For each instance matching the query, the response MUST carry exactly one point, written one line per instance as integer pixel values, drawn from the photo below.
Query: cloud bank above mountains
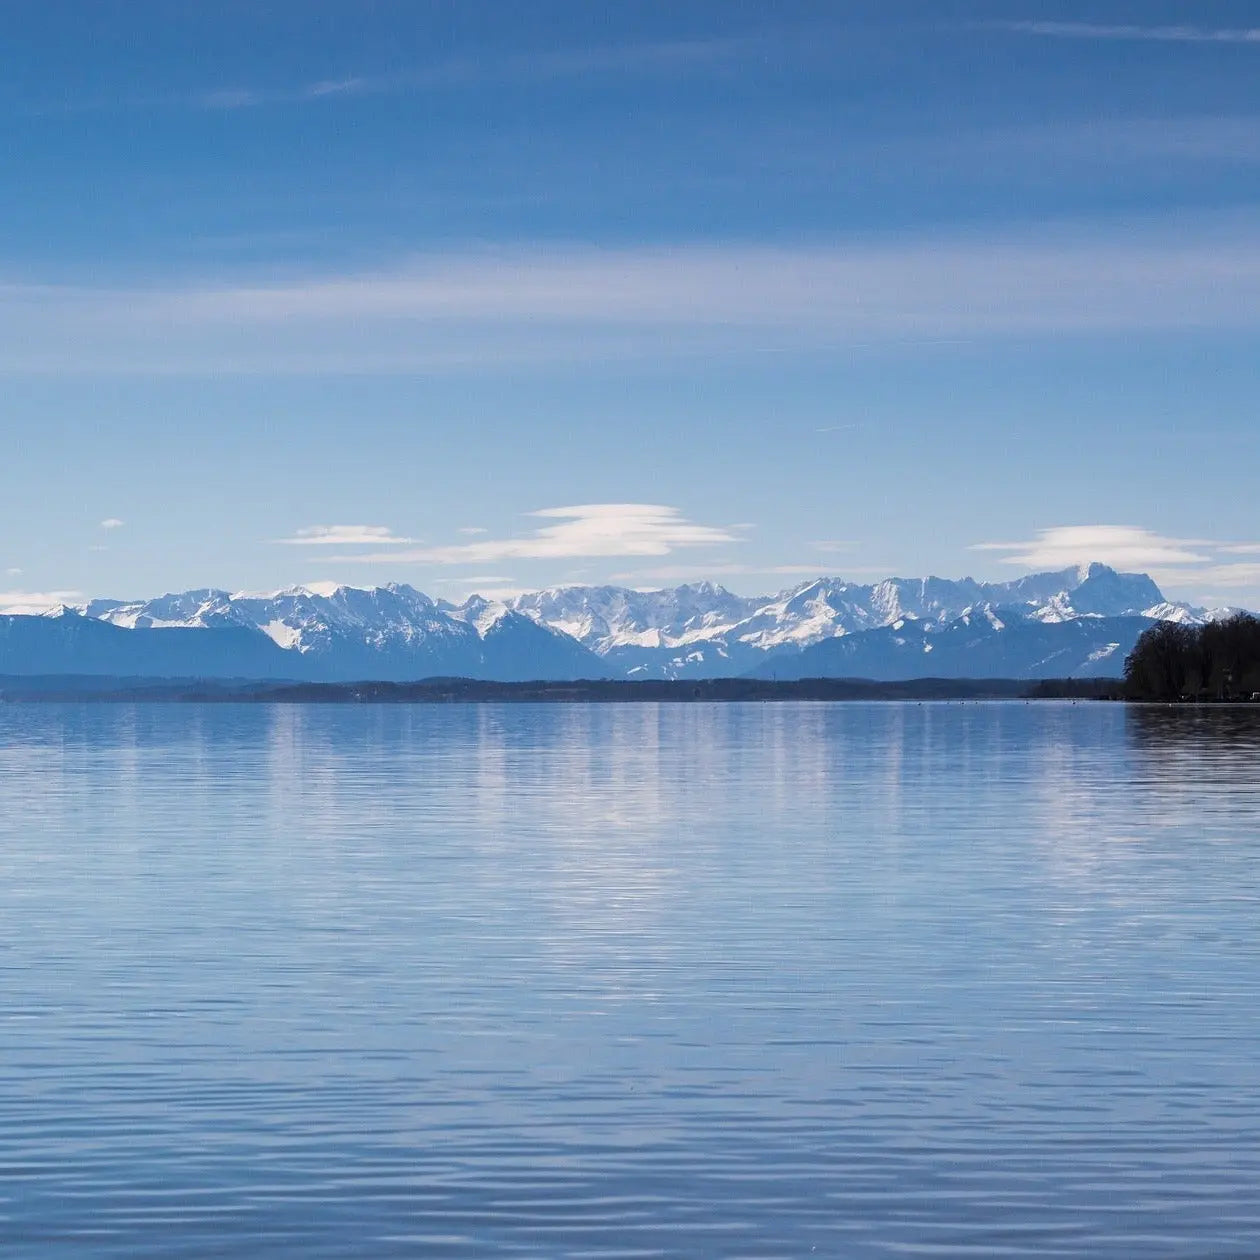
(1122, 546)
(1199, 570)
(610, 530)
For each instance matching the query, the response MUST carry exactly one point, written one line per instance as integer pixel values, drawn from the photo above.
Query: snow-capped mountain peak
(394, 631)
(480, 612)
(701, 629)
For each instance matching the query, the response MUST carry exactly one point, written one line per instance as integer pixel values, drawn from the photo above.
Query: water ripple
(842, 980)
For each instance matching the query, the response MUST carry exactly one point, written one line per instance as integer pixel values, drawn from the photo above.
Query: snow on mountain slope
(608, 617)
(974, 646)
(391, 632)
(698, 630)
(705, 631)
(299, 618)
(519, 649)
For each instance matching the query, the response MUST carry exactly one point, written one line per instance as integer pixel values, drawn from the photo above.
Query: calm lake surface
(744, 980)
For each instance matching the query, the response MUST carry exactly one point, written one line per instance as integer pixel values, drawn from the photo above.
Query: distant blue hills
(1078, 622)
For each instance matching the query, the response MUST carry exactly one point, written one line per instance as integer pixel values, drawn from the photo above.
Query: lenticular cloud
(591, 529)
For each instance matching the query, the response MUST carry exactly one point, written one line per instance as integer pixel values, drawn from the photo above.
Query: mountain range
(1077, 622)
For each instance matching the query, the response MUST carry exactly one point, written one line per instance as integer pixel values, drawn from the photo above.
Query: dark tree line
(1217, 661)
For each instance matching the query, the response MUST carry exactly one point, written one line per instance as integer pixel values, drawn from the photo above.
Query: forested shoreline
(1216, 661)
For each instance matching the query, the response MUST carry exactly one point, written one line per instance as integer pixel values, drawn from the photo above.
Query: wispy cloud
(467, 310)
(1166, 34)
(524, 67)
(587, 530)
(345, 536)
(234, 98)
(111, 522)
(32, 603)
(1122, 546)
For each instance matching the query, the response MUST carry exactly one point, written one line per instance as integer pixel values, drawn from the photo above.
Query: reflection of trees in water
(1194, 767)
(1175, 726)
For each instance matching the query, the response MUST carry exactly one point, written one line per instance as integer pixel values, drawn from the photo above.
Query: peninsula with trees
(1216, 661)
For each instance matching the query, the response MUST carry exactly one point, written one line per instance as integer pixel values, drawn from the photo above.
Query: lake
(624, 981)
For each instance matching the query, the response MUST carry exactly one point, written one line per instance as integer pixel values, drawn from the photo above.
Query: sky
(489, 297)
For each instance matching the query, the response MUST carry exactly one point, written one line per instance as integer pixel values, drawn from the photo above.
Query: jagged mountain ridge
(390, 633)
(705, 631)
(396, 633)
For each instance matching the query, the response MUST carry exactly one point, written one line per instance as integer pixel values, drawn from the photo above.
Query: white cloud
(592, 529)
(111, 522)
(460, 311)
(32, 603)
(473, 529)
(1183, 567)
(1122, 546)
(14, 572)
(1168, 34)
(345, 536)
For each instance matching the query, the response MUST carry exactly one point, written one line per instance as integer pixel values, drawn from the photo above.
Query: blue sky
(483, 296)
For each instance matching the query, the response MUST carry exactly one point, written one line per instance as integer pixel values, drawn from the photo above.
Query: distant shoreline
(611, 691)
